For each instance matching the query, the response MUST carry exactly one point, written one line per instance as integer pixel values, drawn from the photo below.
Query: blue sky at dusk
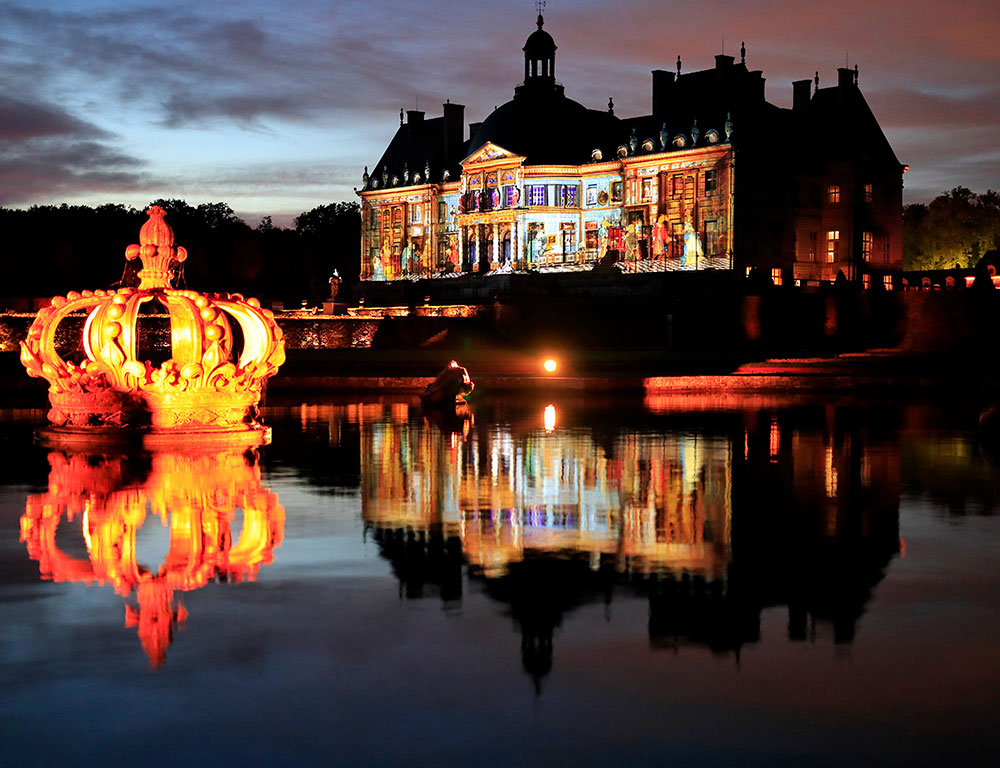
(275, 108)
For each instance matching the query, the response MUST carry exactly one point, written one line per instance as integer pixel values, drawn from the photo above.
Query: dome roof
(547, 128)
(540, 43)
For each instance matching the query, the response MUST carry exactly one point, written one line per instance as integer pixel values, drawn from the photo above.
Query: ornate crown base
(183, 411)
(155, 419)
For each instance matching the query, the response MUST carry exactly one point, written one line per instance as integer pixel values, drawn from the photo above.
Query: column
(496, 244)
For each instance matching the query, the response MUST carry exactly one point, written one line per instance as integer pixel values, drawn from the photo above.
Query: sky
(275, 107)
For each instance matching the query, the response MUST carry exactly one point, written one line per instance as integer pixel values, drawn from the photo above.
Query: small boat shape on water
(450, 389)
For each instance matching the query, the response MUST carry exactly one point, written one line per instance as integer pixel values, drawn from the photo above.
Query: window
(647, 190)
(776, 275)
(416, 214)
(867, 243)
(866, 281)
(536, 195)
(887, 282)
(813, 239)
(710, 182)
(566, 195)
(616, 191)
(676, 186)
(833, 193)
(868, 193)
(711, 238)
(832, 245)
(592, 194)
(511, 196)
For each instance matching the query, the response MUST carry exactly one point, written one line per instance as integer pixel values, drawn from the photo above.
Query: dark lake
(716, 580)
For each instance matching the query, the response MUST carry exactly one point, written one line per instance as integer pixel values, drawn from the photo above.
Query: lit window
(566, 195)
(832, 245)
(867, 280)
(536, 195)
(647, 190)
(711, 238)
(442, 210)
(616, 191)
(511, 196)
(592, 194)
(709, 181)
(867, 243)
(813, 239)
(833, 194)
(776, 275)
(887, 282)
(868, 193)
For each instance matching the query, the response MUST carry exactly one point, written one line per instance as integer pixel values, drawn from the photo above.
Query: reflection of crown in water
(212, 380)
(196, 494)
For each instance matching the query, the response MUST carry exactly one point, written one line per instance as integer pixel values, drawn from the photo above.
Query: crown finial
(156, 249)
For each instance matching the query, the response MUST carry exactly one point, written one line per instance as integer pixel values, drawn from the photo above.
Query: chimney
(454, 131)
(800, 94)
(474, 129)
(663, 85)
(414, 119)
(724, 62)
(845, 77)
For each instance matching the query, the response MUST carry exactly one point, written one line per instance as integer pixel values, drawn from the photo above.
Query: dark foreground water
(714, 580)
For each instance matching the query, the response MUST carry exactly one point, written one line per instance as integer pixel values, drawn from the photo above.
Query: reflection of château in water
(785, 507)
(651, 503)
(195, 494)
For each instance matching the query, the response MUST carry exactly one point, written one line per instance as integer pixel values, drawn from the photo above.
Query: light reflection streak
(196, 494)
(653, 502)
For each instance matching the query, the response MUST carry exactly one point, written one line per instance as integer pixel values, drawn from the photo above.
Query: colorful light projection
(209, 384)
(655, 502)
(197, 495)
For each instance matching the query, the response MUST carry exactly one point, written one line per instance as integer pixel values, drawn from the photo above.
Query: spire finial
(611, 105)
(743, 53)
(400, 115)
(678, 64)
(816, 81)
(539, 5)
(856, 74)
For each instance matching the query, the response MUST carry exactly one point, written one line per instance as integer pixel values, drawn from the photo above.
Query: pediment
(489, 153)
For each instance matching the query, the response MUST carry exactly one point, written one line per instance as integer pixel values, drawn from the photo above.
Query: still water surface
(712, 580)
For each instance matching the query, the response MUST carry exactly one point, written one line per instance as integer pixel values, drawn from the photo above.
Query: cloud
(143, 79)
(45, 151)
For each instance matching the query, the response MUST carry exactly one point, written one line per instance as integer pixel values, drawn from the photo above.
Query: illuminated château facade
(715, 177)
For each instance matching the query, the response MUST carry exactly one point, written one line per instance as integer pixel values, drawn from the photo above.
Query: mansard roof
(418, 145)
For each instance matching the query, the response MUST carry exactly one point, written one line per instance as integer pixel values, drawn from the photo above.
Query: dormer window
(833, 193)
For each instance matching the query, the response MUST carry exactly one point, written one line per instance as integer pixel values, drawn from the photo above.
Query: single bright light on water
(549, 418)
(549, 365)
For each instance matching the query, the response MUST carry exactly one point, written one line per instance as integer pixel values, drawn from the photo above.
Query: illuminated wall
(667, 209)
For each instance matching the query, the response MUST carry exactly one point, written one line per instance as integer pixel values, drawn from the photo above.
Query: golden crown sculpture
(200, 389)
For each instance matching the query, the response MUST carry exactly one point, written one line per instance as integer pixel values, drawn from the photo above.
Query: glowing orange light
(550, 365)
(549, 417)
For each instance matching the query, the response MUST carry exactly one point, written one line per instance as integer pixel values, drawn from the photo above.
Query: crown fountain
(223, 349)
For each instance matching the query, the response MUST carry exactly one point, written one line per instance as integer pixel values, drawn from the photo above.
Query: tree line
(48, 250)
(956, 229)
